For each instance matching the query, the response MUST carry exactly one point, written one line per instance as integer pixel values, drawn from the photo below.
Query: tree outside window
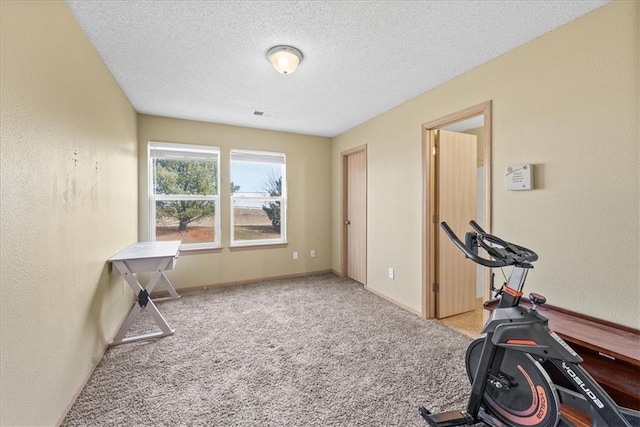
(184, 194)
(258, 210)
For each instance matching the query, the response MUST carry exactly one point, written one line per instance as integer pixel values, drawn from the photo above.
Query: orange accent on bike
(522, 342)
(511, 291)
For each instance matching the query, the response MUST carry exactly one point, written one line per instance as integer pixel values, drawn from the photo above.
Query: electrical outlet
(295, 254)
(312, 254)
(392, 273)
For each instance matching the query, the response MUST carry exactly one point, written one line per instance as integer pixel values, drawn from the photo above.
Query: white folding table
(156, 257)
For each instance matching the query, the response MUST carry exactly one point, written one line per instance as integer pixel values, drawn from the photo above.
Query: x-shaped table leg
(144, 302)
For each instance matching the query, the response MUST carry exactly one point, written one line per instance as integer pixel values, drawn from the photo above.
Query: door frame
(429, 226)
(345, 170)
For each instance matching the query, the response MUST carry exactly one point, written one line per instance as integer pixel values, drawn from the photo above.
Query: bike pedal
(446, 419)
(424, 412)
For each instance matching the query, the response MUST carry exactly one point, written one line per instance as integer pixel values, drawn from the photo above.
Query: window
(183, 194)
(258, 198)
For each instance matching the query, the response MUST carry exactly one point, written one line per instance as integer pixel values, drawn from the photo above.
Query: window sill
(257, 246)
(217, 250)
(200, 251)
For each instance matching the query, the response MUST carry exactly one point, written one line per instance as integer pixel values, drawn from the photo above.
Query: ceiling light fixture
(285, 59)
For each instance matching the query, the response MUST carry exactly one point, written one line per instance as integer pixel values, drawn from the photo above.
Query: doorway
(451, 283)
(354, 234)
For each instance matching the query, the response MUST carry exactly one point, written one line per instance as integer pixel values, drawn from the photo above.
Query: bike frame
(507, 326)
(515, 328)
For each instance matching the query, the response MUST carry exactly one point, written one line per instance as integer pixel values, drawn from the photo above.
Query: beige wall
(308, 205)
(69, 201)
(567, 102)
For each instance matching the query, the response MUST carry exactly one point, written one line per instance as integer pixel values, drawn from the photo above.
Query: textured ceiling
(206, 60)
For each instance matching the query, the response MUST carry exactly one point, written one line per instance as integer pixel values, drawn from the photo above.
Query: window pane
(256, 179)
(193, 177)
(256, 220)
(187, 221)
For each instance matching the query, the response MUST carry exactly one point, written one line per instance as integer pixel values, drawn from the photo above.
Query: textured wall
(308, 205)
(567, 102)
(69, 201)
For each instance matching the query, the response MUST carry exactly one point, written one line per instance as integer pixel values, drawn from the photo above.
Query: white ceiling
(206, 60)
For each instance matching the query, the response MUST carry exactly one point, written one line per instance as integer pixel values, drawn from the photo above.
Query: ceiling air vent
(263, 113)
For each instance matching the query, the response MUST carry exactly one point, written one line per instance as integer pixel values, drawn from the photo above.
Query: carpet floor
(311, 351)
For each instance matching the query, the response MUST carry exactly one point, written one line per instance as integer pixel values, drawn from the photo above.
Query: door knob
(347, 222)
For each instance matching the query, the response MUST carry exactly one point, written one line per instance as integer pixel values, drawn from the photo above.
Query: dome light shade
(285, 59)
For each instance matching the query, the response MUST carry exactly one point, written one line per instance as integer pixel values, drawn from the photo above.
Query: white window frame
(260, 157)
(170, 150)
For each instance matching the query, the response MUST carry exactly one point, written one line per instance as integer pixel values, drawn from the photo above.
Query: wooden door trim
(345, 154)
(429, 228)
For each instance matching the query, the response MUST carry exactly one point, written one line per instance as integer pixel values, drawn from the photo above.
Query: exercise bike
(509, 385)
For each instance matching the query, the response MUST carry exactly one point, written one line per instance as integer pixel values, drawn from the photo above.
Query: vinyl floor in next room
(469, 323)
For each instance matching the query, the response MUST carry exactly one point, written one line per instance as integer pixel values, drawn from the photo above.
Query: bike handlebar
(504, 254)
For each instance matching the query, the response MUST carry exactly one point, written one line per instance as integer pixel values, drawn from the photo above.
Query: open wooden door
(355, 214)
(474, 117)
(456, 195)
